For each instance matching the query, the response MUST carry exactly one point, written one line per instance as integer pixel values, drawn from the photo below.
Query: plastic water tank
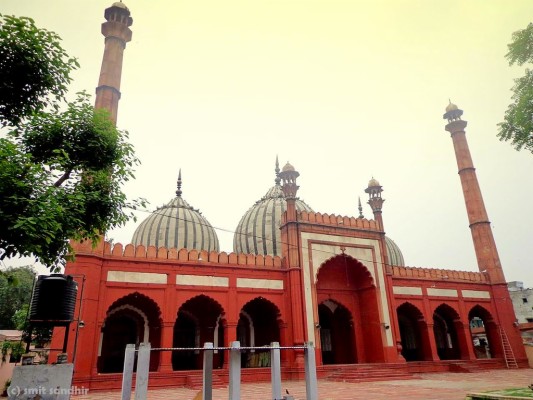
(54, 300)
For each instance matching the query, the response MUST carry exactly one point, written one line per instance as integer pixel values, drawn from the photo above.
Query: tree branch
(65, 176)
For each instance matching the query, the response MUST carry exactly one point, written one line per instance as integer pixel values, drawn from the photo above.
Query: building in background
(295, 276)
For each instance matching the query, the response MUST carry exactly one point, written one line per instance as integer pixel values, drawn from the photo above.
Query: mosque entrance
(337, 337)
(348, 313)
(198, 321)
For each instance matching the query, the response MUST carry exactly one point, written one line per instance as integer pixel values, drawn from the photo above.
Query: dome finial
(178, 192)
(278, 179)
(360, 208)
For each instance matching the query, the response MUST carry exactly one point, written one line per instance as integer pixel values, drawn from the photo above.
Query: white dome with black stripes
(177, 225)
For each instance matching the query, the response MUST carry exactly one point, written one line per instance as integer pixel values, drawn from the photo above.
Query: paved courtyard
(443, 386)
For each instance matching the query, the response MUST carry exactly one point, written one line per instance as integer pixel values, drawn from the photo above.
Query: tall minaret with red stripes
(117, 33)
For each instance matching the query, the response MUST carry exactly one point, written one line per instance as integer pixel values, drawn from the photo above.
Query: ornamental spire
(360, 208)
(278, 179)
(178, 192)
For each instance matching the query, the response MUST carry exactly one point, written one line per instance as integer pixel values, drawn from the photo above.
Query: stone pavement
(442, 386)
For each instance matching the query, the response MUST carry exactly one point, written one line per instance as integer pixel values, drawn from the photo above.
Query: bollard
(207, 386)
(275, 370)
(235, 371)
(311, 385)
(143, 367)
(127, 374)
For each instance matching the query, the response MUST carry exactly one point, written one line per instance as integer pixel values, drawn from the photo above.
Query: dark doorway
(444, 320)
(336, 334)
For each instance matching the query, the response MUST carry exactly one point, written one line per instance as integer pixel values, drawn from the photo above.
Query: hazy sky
(344, 90)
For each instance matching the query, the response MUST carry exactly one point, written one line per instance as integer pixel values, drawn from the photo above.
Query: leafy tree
(34, 68)
(15, 293)
(60, 178)
(61, 172)
(517, 126)
(39, 335)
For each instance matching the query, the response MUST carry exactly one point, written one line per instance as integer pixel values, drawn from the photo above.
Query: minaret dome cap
(288, 167)
(373, 182)
(120, 4)
(451, 107)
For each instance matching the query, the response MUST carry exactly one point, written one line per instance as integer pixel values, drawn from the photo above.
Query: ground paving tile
(442, 386)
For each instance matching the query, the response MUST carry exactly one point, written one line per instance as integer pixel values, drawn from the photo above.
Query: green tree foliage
(61, 175)
(15, 293)
(61, 172)
(39, 335)
(517, 126)
(34, 68)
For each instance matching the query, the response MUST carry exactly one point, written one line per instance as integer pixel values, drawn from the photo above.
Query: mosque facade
(295, 276)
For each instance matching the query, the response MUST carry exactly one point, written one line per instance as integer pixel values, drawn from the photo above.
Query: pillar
(167, 340)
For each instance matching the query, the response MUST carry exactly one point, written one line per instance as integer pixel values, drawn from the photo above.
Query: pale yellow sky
(344, 90)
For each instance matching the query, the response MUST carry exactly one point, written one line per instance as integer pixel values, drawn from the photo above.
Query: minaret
(290, 233)
(487, 255)
(375, 201)
(117, 33)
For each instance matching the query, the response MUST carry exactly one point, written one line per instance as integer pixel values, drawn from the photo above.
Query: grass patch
(518, 392)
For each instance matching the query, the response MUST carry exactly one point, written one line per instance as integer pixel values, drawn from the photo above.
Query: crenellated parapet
(130, 251)
(335, 220)
(440, 274)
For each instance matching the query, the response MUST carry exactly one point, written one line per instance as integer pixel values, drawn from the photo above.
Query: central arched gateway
(348, 313)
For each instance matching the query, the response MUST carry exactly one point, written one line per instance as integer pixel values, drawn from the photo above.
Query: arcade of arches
(449, 333)
(136, 319)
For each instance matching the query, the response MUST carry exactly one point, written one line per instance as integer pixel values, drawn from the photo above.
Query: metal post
(275, 370)
(127, 375)
(207, 387)
(65, 340)
(311, 386)
(235, 371)
(143, 366)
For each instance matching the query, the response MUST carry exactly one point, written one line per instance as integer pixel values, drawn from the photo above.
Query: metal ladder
(508, 354)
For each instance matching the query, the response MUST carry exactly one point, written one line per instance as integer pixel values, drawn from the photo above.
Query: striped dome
(394, 253)
(177, 225)
(258, 231)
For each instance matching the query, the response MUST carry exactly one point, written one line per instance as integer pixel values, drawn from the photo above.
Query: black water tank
(54, 300)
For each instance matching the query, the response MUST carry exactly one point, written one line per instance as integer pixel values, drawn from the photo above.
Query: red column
(167, 340)
(433, 354)
(230, 335)
(464, 338)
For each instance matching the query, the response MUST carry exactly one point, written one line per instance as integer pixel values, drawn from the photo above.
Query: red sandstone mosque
(295, 276)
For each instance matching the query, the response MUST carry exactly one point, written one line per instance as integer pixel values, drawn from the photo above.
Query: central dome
(177, 225)
(258, 231)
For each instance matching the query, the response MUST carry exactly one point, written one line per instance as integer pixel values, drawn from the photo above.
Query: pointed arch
(347, 269)
(197, 322)
(445, 322)
(414, 334)
(131, 319)
(258, 325)
(337, 334)
(484, 333)
(347, 281)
